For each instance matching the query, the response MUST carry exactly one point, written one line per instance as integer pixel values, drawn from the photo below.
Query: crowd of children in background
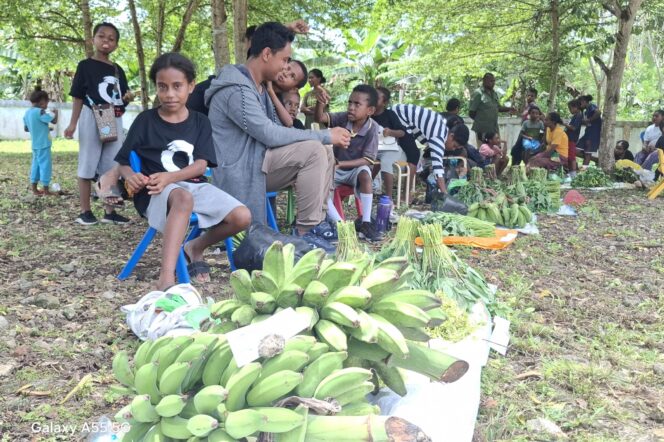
(175, 144)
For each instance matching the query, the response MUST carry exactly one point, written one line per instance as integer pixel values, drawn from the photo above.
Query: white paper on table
(244, 342)
(500, 337)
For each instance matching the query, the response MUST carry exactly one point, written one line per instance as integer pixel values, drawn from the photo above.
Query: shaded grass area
(585, 298)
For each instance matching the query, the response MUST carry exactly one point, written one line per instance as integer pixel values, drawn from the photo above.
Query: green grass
(23, 146)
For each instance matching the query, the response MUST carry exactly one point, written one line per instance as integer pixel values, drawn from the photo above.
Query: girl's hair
(623, 143)
(386, 93)
(302, 82)
(555, 117)
(532, 108)
(173, 60)
(586, 98)
(38, 95)
(108, 25)
(318, 74)
(659, 112)
(574, 103)
(488, 137)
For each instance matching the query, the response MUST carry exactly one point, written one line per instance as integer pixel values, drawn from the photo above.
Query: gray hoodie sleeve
(244, 110)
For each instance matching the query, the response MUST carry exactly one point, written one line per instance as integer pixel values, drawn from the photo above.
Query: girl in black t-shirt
(98, 81)
(175, 148)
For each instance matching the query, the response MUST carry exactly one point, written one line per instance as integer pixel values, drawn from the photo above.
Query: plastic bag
(249, 255)
(441, 202)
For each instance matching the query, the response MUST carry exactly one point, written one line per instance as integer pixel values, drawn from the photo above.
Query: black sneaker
(114, 218)
(368, 232)
(316, 242)
(326, 231)
(87, 218)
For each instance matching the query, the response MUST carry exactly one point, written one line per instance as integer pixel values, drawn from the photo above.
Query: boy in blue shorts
(36, 121)
(354, 163)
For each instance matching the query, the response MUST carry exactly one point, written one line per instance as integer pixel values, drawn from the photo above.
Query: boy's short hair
(372, 95)
(302, 82)
(271, 35)
(574, 103)
(249, 33)
(532, 108)
(38, 95)
(623, 143)
(452, 104)
(461, 133)
(108, 25)
(386, 93)
(284, 95)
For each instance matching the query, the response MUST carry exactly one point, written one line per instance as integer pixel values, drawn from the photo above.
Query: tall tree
(186, 19)
(625, 14)
(222, 53)
(159, 29)
(555, 54)
(140, 54)
(240, 10)
(87, 27)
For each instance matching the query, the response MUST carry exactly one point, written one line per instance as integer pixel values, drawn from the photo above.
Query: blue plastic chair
(181, 266)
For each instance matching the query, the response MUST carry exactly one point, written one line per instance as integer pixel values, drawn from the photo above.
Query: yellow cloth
(624, 164)
(503, 238)
(558, 137)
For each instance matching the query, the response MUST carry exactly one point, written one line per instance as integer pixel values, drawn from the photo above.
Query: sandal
(112, 197)
(196, 268)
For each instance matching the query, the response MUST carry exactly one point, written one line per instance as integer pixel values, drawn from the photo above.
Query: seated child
(36, 121)
(556, 141)
(291, 79)
(493, 153)
(621, 151)
(531, 133)
(175, 147)
(354, 163)
(291, 101)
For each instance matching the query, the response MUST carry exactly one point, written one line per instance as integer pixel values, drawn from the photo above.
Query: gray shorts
(350, 177)
(211, 204)
(95, 157)
(387, 159)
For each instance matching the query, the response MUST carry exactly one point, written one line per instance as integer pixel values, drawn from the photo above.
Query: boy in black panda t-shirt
(175, 147)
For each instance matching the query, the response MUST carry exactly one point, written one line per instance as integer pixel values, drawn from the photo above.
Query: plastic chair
(181, 266)
(658, 187)
(341, 192)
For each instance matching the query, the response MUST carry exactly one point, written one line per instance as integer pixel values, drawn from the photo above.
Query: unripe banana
(121, 390)
(423, 299)
(310, 314)
(357, 394)
(170, 405)
(331, 334)
(390, 338)
(171, 380)
(300, 342)
(417, 334)
(124, 415)
(263, 302)
(216, 364)
(353, 295)
(289, 258)
(402, 314)
(278, 420)
(273, 387)
(391, 376)
(240, 281)
(359, 409)
(220, 435)
(145, 381)
(264, 282)
(290, 295)
(137, 431)
(380, 282)
(273, 262)
(243, 423)
(342, 381)
(318, 370)
(225, 308)
(201, 425)
(175, 427)
(288, 360)
(243, 315)
(368, 329)
(302, 276)
(315, 294)
(156, 345)
(363, 350)
(122, 370)
(396, 263)
(239, 384)
(141, 355)
(142, 410)
(228, 372)
(208, 398)
(154, 434)
(169, 353)
(312, 257)
(317, 350)
(341, 314)
(337, 275)
(191, 352)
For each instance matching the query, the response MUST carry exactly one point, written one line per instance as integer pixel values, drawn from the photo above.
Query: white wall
(11, 124)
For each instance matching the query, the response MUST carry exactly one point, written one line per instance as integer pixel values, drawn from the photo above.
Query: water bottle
(105, 430)
(383, 213)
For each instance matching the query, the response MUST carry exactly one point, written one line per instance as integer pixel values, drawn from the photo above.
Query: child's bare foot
(35, 190)
(196, 265)
(48, 192)
(163, 285)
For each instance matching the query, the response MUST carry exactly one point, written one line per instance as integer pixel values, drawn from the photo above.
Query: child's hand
(69, 131)
(298, 26)
(128, 97)
(136, 182)
(158, 182)
(340, 137)
(321, 94)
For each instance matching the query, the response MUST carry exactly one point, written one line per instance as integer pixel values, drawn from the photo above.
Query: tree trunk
(159, 31)
(240, 28)
(186, 19)
(87, 28)
(614, 76)
(139, 54)
(555, 55)
(222, 54)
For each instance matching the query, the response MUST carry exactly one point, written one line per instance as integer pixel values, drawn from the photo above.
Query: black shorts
(412, 153)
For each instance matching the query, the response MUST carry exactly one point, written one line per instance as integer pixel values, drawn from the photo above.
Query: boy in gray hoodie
(255, 152)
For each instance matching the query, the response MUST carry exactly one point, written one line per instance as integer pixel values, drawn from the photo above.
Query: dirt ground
(585, 297)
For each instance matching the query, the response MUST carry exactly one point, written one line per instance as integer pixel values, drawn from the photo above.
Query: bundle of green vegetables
(625, 175)
(349, 247)
(454, 224)
(592, 177)
(403, 243)
(475, 191)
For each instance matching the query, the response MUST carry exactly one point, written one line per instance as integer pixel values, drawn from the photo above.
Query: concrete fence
(11, 124)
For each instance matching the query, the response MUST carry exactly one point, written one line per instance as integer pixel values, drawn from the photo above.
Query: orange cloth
(503, 238)
(558, 137)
